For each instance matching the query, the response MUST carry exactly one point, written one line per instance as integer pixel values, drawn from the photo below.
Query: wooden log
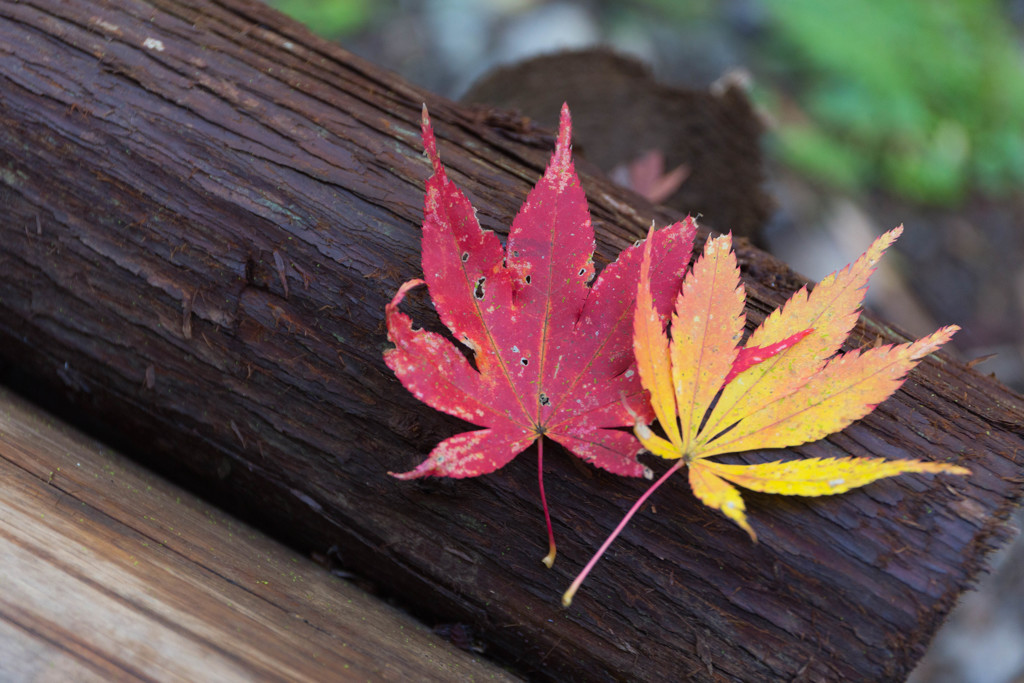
(111, 573)
(205, 209)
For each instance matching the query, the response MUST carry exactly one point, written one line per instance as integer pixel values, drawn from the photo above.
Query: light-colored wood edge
(108, 572)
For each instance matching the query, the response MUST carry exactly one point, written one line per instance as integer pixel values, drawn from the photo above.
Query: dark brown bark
(204, 211)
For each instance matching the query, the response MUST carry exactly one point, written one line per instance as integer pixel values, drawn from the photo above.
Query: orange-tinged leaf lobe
(707, 327)
(786, 386)
(551, 352)
(651, 346)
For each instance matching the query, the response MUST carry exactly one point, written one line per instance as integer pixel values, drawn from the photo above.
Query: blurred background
(876, 113)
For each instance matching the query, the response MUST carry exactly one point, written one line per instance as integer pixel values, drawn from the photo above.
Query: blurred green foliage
(329, 18)
(924, 98)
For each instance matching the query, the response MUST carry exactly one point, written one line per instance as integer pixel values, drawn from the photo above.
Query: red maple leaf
(553, 355)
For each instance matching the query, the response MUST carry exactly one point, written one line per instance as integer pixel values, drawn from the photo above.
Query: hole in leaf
(465, 256)
(544, 400)
(524, 361)
(516, 254)
(528, 279)
(583, 271)
(479, 291)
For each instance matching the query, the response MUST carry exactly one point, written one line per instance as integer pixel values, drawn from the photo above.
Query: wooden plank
(108, 572)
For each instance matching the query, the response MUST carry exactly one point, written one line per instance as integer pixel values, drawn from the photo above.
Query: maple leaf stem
(567, 597)
(549, 559)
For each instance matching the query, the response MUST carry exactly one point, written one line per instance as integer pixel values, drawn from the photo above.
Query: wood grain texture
(111, 573)
(203, 211)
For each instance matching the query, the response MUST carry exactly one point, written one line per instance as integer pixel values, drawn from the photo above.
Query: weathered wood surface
(110, 573)
(204, 210)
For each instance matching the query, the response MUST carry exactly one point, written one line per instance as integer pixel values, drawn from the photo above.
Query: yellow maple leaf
(786, 386)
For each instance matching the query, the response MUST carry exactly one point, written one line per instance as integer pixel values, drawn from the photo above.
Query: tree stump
(620, 112)
(204, 211)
